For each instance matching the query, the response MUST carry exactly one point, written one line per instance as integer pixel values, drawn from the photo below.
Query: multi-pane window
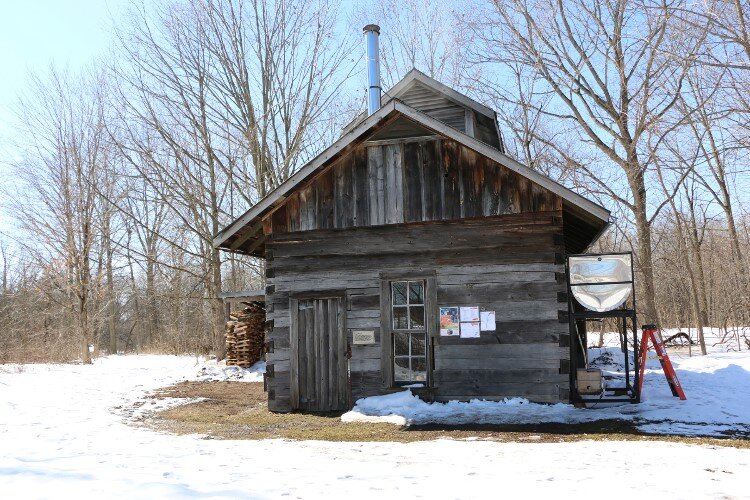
(409, 331)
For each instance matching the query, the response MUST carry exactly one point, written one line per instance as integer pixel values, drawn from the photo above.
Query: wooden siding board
(432, 182)
(451, 180)
(394, 199)
(344, 197)
(325, 201)
(360, 181)
(412, 185)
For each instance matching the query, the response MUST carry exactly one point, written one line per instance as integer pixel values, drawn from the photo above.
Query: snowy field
(63, 434)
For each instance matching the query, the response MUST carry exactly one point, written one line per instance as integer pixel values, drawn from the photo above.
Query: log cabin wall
(489, 237)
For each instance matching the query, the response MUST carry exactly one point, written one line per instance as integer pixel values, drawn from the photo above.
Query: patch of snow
(60, 438)
(212, 371)
(717, 388)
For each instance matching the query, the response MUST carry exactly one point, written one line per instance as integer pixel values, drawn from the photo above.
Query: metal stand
(577, 318)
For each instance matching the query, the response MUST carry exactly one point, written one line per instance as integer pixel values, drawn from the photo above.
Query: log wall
(504, 263)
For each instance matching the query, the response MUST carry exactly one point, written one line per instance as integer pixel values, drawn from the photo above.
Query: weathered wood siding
(505, 263)
(412, 181)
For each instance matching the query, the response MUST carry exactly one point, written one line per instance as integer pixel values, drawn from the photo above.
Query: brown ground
(238, 410)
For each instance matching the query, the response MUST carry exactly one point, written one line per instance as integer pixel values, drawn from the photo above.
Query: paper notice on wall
(469, 314)
(487, 321)
(470, 330)
(449, 322)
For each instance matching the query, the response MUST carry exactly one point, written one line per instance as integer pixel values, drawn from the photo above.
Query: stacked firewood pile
(244, 336)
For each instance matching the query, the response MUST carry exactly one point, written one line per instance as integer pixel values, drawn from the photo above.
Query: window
(409, 331)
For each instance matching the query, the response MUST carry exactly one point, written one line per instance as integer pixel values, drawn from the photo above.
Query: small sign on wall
(487, 321)
(363, 337)
(449, 322)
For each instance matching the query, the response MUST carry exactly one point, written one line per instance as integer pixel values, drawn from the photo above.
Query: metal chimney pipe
(372, 32)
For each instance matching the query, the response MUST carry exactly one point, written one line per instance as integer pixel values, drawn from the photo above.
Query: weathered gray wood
(488, 362)
(360, 180)
(503, 351)
(364, 365)
(394, 199)
(331, 354)
(532, 391)
(309, 360)
(318, 368)
(493, 377)
(376, 184)
(294, 361)
(344, 390)
(386, 342)
(516, 279)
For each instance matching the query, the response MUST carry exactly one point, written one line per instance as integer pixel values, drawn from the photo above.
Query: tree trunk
(151, 306)
(83, 324)
(645, 260)
(111, 293)
(217, 307)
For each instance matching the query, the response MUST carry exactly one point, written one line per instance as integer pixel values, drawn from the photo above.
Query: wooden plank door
(319, 366)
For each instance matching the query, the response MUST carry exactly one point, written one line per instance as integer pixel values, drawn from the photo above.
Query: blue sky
(35, 33)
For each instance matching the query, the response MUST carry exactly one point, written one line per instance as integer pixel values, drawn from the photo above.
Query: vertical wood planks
(376, 185)
(360, 188)
(432, 182)
(294, 341)
(394, 199)
(309, 381)
(411, 181)
(343, 363)
(325, 202)
(318, 365)
(451, 181)
(343, 196)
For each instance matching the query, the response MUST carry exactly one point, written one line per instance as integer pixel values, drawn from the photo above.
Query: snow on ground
(59, 437)
(717, 387)
(217, 372)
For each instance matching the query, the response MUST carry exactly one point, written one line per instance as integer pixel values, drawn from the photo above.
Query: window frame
(387, 326)
(410, 331)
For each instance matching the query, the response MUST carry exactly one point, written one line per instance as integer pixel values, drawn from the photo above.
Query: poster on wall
(470, 314)
(487, 321)
(470, 330)
(449, 322)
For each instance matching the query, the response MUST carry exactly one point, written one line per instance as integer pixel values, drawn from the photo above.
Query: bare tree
(62, 168)
(609, 67)
(220, 104)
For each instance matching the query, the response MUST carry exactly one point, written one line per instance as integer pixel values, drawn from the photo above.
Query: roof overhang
(247, 226)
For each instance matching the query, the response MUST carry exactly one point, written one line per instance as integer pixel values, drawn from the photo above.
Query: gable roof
(406, 90)
(249, 224)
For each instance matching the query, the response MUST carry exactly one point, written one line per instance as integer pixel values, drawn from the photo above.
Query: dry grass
(238, 410)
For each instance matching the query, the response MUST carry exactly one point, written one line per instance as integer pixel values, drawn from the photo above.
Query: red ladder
(650, 332)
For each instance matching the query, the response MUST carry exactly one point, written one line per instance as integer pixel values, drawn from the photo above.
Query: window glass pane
(418, 344)
(418, 369)
(416, 315)
(399, 292)
(401, 344)
(416, 292)
(399, 318)
(401, 370)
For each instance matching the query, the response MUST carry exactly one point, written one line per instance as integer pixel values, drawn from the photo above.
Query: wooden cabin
(414, 252)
